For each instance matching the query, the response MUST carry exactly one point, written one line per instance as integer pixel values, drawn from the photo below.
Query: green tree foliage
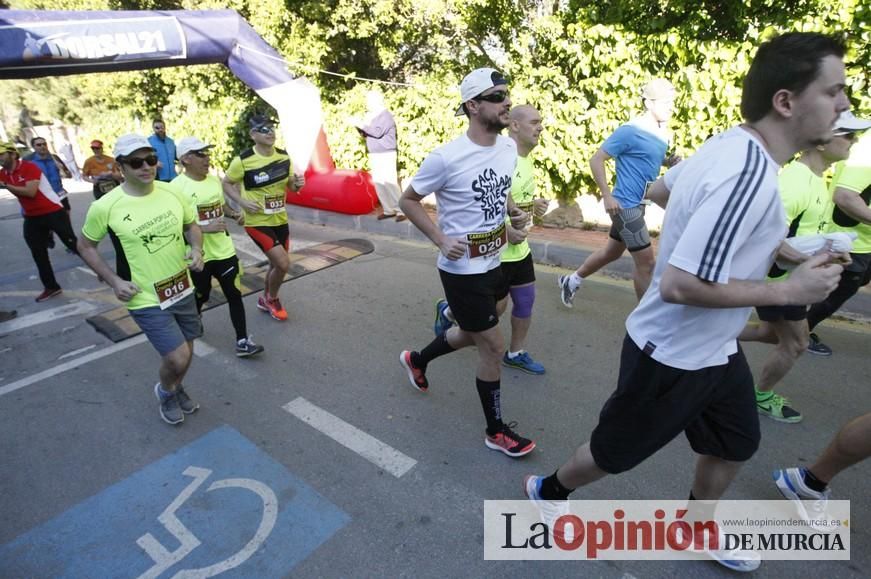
(581, 62)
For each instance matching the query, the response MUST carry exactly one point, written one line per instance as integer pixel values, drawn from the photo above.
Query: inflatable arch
(36, 43)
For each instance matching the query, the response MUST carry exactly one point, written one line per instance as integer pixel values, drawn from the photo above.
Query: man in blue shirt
(638, 149)
(164, 148)
(50, 166)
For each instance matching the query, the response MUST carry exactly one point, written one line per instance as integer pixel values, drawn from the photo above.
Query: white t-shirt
(724, 221)
(471, 184)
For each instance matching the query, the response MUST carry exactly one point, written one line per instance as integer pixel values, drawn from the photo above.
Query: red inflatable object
(331, 189)
(342, 190)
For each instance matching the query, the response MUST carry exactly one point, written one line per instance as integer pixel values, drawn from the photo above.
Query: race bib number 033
(273, 204)
(209, 213)
(173, 289)
(487, 244)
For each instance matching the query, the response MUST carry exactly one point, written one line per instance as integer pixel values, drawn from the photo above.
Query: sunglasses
(200, 154)
(40, 144)
(264, 130)
(494, 97)
(849, 135)
(137, 162)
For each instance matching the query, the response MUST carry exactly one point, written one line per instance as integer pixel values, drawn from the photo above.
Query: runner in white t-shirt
(681, 369)
(471, 178)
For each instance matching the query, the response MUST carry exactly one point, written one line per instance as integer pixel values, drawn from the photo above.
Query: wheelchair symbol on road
(164, 559)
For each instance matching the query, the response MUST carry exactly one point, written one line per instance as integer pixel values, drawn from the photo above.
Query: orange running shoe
(276, 310)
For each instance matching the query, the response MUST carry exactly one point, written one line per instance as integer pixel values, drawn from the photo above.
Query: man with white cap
(851, 193)
(471, 179)
(151, 221)
(808, 204)
(205, 194)
(639, 151)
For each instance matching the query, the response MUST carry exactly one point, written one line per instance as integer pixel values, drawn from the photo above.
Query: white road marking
(77, 352)
(73, 309)
(87, 270)
(202, 349)
(349, 436)
(18, 384)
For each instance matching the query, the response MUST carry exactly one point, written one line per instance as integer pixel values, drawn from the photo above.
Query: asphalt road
(88, 466)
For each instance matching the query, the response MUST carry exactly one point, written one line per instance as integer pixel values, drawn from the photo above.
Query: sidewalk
(566, 248)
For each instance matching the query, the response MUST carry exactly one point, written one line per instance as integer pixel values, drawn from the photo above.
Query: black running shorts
(714, 407)
(520, 272)
(629, 227)
(270, 236)
(473, 298)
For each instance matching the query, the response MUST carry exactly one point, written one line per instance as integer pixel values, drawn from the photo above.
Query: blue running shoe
(442, 324)
(524, 363)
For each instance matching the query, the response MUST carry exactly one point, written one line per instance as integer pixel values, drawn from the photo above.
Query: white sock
(513, 355)
(575, 281)
(449, 315)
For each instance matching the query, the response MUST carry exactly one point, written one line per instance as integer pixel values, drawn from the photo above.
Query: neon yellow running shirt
(151, 232)
(207, 201)
(263, 180)
(523, 193)
(854, 174)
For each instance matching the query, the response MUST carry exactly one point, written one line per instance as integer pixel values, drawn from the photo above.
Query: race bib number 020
(209, 213)
(173, 289)
(273, 204)
(487, 244)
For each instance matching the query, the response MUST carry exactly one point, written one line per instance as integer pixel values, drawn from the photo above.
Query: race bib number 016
(487, 244)
(173, 289)
(209, 213)
(273, 204)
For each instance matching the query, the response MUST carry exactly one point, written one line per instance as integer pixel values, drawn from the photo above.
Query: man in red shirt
(43, 213)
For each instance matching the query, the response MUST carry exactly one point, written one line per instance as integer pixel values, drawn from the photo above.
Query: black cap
(258, 120)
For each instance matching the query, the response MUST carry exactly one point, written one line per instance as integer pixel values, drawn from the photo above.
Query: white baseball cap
(850, 122)
(477, 82)
(188, 144)
(126, 144)
(658, 89)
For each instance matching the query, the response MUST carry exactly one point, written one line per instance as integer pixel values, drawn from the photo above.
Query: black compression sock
(489, 393)
(438, 347)
(813, 482)
(553, 490)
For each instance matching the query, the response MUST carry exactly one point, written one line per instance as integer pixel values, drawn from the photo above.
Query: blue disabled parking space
(219, 504)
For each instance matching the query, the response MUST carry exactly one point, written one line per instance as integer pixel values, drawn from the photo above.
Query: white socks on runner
(575, 281)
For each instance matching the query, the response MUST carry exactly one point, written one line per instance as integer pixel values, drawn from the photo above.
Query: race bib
(273, 204)
(106, 186)
(173, 289)
(209, 213)
(487, 244)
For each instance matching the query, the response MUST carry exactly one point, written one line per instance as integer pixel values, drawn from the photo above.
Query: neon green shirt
(151, 231)
(264, 180)
(806, 199)
(523, 193)
(207, 201)
(807, 202)
(854, 174)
